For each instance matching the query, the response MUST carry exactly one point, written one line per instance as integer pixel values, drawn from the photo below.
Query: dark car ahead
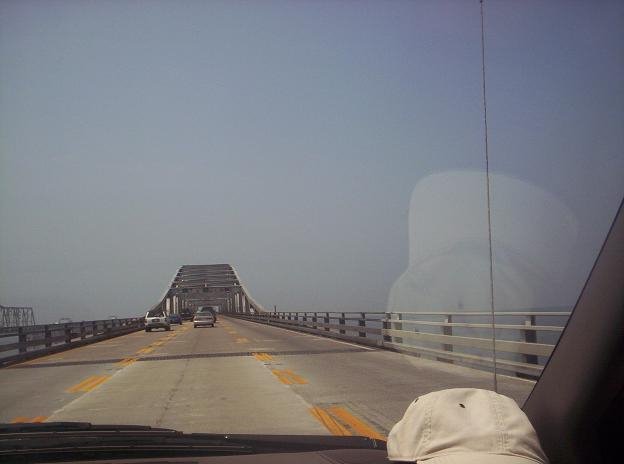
(175, 319)
(186, 315)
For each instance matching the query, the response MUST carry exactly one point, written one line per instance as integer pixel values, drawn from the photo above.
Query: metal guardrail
(464, 338)
(37, 340)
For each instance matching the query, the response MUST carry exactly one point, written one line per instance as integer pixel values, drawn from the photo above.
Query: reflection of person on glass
(533, 235)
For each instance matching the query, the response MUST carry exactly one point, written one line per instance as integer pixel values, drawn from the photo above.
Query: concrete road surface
(238, 377)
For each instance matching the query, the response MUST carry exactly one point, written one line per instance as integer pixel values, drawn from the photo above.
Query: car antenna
(487, 189)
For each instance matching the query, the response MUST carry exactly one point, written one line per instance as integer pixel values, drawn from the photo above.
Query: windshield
(371, 200)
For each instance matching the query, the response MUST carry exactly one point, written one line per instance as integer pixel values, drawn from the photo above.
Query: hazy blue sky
(284, 138)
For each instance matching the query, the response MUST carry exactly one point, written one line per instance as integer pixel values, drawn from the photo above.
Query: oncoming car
(204, 316)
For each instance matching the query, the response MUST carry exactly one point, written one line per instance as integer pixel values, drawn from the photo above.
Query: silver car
(204, 317)
(156, 321)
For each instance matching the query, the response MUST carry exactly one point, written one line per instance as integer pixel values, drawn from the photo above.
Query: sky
(287, 139)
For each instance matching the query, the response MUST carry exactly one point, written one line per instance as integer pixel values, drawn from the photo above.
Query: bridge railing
(22, 343)
(524, 339)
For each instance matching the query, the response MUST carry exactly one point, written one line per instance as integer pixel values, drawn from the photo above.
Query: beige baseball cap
(464, 425)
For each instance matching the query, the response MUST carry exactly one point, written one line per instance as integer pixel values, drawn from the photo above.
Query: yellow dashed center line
(263, 357)
(126, 362)
(88, 384)
(160, 342)
(331, 424)
(288, 377)
(361, 427)
(22, 419)
(339, 421)
(145, 350)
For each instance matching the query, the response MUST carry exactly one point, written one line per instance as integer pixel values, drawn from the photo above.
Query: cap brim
(478, 458)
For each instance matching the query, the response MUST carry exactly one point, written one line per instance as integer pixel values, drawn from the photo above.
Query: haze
(286, 138)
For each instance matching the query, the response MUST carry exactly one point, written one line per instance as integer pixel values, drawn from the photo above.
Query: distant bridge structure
(16, 316)
(207, 285)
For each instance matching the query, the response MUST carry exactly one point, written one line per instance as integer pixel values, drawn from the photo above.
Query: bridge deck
(210, 380)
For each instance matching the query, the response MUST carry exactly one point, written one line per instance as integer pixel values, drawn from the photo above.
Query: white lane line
(318, 337)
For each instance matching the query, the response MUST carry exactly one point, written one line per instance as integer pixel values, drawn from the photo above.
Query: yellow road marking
(126, 362)
(288, 377)
(361, 427)
(20, 420)
(242, 340)
(88, 384)
(331, 424)
(80, 385)
(281, 377)
(263, 356)
(145, 350)
(100, 381)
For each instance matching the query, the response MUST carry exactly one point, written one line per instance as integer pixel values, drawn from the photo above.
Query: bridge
(211, 284)
(257, 371)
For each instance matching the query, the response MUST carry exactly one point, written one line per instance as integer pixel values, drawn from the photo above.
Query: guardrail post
(68, 335)
(341, 321)
(326, 320)
(314, 326)
(47, 335)
(447, 330)
(22, 337)
(362, 323)
(398, 326)
(530, 336)
(386, 325)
